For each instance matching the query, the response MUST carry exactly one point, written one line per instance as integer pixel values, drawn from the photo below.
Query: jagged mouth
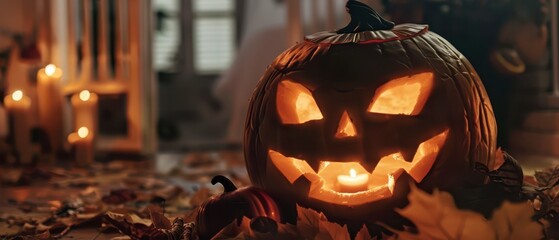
(349, 184)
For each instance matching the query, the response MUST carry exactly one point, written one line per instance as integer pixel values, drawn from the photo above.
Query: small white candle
(50, 103)
(83, 143)
(353, 182)
(85, 110)
(19, 108)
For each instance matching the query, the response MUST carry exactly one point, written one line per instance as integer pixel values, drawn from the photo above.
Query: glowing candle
(19, 108)
(353, 182)
(50, 104)
(83, 145)
(85, 107)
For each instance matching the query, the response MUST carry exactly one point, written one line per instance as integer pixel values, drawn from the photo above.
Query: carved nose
(345, 127)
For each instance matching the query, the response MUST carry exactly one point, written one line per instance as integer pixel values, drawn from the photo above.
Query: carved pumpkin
(233, 205)
(338, 120)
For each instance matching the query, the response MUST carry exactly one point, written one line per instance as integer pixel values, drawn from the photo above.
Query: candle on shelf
(353, 182)
(83, 143)
(85, 107)
(50, 104)
(18, 106)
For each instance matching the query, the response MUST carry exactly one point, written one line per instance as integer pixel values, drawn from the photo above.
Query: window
(167, 34)
(214, 35)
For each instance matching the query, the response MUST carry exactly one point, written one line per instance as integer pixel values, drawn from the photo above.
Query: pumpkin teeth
(316, 166)
(382, 177)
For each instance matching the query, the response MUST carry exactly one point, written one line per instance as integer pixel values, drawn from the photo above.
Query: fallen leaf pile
(142, 205)
(51, 202)
(543, 190)
(435, 217)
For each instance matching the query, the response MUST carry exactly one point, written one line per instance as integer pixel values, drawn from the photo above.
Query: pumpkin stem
(228, 186)
(364, 18)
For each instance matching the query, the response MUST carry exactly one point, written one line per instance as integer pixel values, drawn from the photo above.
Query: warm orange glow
(85, 95)
(346, 127)
(295, 103)
(353, 183)
(17, 95)
(50, 70)
(406, 95)
(325, 183)
(83, 132)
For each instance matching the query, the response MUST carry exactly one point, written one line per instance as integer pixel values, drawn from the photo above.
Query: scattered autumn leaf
(307, 222)
(158, 218)
(363, 234)
(119, 196)
(548, 177)
(436, 217)
(332, 231)
(514, 221)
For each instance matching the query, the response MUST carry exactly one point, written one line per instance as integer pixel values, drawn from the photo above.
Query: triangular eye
(295, 103)
(406, 95)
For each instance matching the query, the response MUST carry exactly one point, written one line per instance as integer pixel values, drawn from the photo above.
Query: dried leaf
(158, 218)
(119, 196)
(230, 231)
(307, 222)
(135, 219)
(499, 159)
(287, 231)
(436, 217)
(548, 178)
(41, 236)
(8, 229)
(363, 234)
(331, 231)
(137, 228)
(514, 221)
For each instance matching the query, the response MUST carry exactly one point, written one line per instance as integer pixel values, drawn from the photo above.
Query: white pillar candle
(82, 142)
(18, 106)
(85, 105)
(50, 104)
(353, 182)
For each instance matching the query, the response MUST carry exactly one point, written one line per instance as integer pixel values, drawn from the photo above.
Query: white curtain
(264, 38)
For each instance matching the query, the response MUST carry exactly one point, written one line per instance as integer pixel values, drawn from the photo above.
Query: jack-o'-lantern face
(343, 121)
(405, 96)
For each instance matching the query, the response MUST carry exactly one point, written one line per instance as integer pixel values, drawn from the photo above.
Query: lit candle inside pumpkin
(353, 182)
(50, 103)
(82, 140)
(19, 107)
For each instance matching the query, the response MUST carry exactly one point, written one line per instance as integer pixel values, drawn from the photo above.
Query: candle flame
(17, 95)
(352, 173)
(85, 95)
(83, 132)
(50, 69)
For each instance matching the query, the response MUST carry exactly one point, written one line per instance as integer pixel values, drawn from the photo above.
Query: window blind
(214, 35)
